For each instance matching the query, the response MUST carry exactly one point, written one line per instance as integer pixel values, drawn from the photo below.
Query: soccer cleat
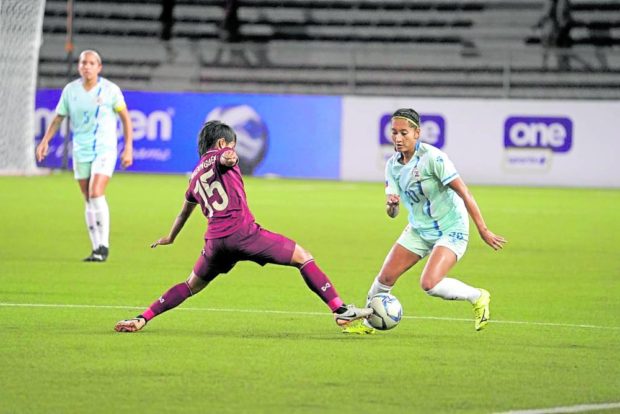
(358, 328)
(481, 310)
(104, 252)
(99, 255)
(349, 313)
(130, 325)
(95, 256)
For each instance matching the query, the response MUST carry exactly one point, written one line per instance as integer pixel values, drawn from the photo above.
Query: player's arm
(229, 158)
(391, 194)
(391, 205)
(179, 222)
(493, 240)
(127, 154)
(41, 151)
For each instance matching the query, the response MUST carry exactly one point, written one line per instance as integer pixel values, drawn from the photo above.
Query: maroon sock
(320, 284)
(171, 299)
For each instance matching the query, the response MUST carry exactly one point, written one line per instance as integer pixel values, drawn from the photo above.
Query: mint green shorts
(103, 164)
(454, 238)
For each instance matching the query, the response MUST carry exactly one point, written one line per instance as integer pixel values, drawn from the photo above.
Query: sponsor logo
(252, 133)
(553, 133)
(531, 142)
(152, 127)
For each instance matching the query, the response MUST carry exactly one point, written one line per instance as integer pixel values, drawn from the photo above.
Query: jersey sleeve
(443, 168)
(189, 194)
(391, 186)
(118, 100)
(62, 108)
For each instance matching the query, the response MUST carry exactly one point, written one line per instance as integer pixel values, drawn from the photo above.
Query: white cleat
(130, 325)
(351, 314)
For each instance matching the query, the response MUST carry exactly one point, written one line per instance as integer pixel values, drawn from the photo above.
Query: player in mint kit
(425, 180)
(232, 235)
(92, 104)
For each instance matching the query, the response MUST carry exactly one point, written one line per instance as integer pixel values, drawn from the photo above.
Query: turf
(257, 341)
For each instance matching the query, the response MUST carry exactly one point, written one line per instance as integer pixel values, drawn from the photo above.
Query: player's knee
(427, 283)
(196, 283)
(300, 256)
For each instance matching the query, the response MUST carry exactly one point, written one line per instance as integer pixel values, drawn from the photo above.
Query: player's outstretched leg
(169, 300)
(482, 314)
(130, 325)
(320, 284)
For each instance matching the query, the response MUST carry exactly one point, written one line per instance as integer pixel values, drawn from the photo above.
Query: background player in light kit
(232, 234)
(92, 104)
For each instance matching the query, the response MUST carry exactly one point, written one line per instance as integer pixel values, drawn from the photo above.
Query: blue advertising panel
(289, 136)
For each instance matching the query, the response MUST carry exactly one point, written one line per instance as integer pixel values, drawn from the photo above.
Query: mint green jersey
(93, 116)
(422, 185)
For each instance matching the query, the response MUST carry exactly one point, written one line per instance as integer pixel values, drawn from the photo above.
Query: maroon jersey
(219, 191)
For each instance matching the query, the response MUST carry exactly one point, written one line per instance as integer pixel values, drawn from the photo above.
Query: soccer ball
(387, 311)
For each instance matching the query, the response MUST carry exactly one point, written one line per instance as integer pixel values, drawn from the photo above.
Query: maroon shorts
(248, 243)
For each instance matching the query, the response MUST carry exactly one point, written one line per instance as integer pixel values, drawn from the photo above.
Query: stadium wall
(283, 135)
(511, 142)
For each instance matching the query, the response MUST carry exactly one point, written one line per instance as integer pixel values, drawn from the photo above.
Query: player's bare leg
(396, 263)
(435, 283)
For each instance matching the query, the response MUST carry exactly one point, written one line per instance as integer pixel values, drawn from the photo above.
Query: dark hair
(409, 114)
(212, 131)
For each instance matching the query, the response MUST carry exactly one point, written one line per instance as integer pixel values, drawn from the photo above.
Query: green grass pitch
(258, 341)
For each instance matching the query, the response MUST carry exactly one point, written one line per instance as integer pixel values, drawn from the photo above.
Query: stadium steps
(386, 47)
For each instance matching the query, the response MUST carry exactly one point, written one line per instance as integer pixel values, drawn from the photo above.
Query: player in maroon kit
(232, 234)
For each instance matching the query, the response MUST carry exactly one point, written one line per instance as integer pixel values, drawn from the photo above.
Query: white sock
(102, 213)
(377, 287)
(453, 289)
(91, 226)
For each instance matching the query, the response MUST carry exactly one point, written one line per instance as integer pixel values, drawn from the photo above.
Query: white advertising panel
(513, 142)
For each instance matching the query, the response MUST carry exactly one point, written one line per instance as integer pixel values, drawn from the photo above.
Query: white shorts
(454, 238)
(102, 164)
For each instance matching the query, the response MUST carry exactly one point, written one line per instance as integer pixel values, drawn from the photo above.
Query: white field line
(570, 409)
(434, 318)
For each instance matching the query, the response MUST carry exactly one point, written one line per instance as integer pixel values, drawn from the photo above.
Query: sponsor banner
(289, 136)
(512, 142)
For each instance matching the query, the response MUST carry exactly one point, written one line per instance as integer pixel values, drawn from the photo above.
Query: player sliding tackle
(232, 234)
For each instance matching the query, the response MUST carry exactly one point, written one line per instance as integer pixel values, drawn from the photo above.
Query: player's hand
(127, 157)
(495, 241)
(229, 158)
(393, 200)
(392, 203)
(163, 241)
(41, 151)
